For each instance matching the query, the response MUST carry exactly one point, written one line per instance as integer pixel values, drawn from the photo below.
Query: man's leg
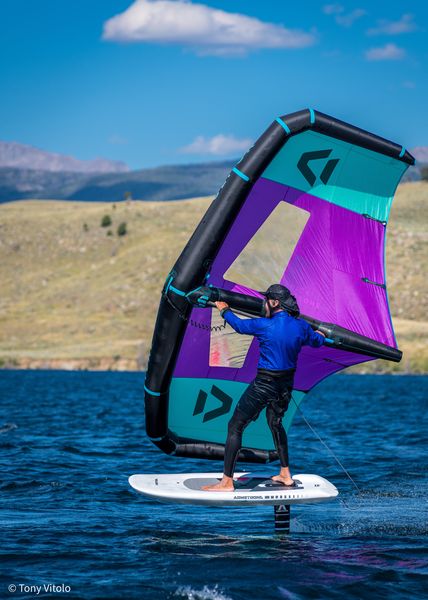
(274, 414)
(237, 424)
(247, 410)
(281, 444)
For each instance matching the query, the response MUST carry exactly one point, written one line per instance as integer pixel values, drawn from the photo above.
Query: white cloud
(202, 28)
(387, 52)
(384, 27)
(349, 19)
(333, 9)
(345, 20)
(219, 145)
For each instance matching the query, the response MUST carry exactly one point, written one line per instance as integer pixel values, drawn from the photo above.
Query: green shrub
(121, 230)
(85, 227)
(106, 221)
(109, 232)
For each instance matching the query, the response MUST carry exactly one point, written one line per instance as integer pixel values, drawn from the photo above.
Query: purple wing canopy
(337, 252)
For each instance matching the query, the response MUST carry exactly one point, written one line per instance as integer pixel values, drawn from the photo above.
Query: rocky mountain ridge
(23, 156)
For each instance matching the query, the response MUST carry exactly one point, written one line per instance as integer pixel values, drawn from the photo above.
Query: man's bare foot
(285, 480)
(225, 485)
(284, 476)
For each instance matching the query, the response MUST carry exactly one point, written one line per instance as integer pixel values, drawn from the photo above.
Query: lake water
(69, 441)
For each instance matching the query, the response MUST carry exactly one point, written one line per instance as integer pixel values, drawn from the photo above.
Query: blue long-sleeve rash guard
(280, 338)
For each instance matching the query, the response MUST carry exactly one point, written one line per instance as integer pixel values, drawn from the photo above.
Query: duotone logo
(306, 171)
(223, 409)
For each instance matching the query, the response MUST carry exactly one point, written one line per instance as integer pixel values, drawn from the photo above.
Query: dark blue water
(69, 441)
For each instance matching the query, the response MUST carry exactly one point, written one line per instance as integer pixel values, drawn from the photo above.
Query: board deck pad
(250, 489)
(249, 484)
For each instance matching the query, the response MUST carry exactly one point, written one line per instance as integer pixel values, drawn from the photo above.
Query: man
(281, 336)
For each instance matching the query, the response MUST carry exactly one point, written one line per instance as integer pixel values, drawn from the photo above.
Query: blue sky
(171, 81)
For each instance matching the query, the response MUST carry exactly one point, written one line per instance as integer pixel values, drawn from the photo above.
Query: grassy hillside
(74, 296)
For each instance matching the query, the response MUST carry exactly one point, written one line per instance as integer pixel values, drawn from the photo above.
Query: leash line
(339, 462)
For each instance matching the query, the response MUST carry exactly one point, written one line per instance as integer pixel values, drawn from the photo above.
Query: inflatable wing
(307, 207)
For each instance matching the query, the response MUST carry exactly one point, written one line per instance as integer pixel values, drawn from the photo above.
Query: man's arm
(313, 338)
(245, 326)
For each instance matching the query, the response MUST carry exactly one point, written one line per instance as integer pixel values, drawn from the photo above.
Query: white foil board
(250, 489)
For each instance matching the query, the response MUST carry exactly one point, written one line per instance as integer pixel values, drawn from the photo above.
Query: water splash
(206, 593)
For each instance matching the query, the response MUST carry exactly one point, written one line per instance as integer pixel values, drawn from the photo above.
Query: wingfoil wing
(308, 207)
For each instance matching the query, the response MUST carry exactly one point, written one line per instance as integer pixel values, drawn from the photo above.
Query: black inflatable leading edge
(336, 336)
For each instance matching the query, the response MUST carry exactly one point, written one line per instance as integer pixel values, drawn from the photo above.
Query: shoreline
(72, 364)
(114, 364)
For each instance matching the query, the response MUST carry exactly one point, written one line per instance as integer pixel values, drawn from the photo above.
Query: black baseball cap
(287, 301)
(277, 292)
